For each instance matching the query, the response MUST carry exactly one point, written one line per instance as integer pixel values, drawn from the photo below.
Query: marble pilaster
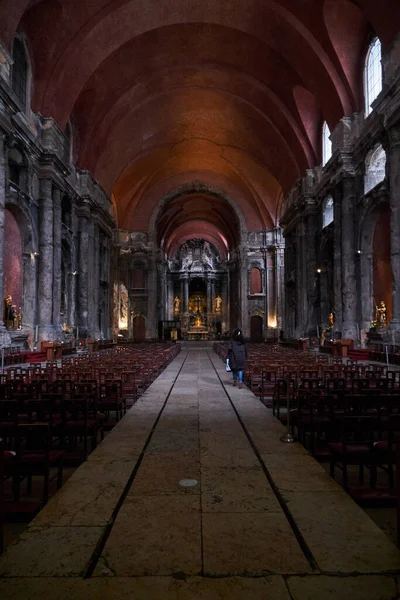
(152, 293)
(394, 190)
(209, 295)
(311, 280)
(348, 256)
(186, 294)
(280, 283)
(83, 281)
(337, 263)
(57, 256)
(46, 265)
(301, 270)
(95, 282)
(4, 335)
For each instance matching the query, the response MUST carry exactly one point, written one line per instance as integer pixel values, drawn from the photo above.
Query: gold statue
(19, 318)
(177, 304)
(381, 314)
(218, 304)
(9, 312)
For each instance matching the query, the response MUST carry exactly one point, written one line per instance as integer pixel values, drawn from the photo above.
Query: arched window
(255, 281)
(372, 75)
(326, 144)
(20, 71)
(375, 168)
(327, 211)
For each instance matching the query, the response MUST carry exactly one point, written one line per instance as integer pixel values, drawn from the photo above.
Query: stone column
(311, 275)
(5, 339)
(163, 292)
(57, 258)
(83, 276)
(243, 317)
(337, 261)
(348, 255)
(280, 285)
(271, 288)
(209, 295)
(186, 294)
(225, 317)
(393, 166)
(94, 280)
(301, 280)
(46, 266)
(152, 293)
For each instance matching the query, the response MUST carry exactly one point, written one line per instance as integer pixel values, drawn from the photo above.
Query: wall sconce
(358, 251)
(34, 255)
(74, 273)
(319, 271)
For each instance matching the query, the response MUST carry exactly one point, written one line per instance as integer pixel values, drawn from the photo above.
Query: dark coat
(237, 354)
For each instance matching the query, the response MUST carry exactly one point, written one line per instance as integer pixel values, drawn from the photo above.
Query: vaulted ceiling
(231, 93)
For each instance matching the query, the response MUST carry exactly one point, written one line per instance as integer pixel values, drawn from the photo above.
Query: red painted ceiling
(231, 93)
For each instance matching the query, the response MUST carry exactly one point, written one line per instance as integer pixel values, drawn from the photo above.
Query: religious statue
(381, 314)
(14, 317)
(331, 320)
(218, 304)
(177, 304)
(19, 318)
(9, 312)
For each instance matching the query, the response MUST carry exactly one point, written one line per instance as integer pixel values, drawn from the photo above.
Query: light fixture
(74, 273)
(358, 251)
(318, 270)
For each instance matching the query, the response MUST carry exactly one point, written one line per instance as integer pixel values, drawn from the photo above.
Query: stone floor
(263, 520)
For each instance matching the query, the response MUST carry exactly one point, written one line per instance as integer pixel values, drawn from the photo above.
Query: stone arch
(375, 168)
(26, 263)
(197, 187)
(365, 253)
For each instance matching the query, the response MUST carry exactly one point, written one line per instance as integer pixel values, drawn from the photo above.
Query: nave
(262, 521)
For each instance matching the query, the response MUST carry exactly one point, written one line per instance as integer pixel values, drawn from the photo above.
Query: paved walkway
(262, 521)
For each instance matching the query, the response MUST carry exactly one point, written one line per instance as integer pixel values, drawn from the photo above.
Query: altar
(192, 334)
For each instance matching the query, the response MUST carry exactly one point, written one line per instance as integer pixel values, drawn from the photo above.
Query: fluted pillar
(209, 296)
(152, 293)
(186, 294)
(394, 189)
(337, 261)
(311, 275)
(4, 335)
(243, 317)
(83, 277)
(46, 258)
(348, 256)
(301, 279)
(57, 256)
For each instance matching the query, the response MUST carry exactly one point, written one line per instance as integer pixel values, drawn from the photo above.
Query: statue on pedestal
(9, 312)
(177, 304)
(19, 318)
(218, 304)
(381, 314)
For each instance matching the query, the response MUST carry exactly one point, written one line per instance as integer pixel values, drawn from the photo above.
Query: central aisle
(262, 521)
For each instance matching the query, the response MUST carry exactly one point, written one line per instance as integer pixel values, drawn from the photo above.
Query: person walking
(237, 355)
